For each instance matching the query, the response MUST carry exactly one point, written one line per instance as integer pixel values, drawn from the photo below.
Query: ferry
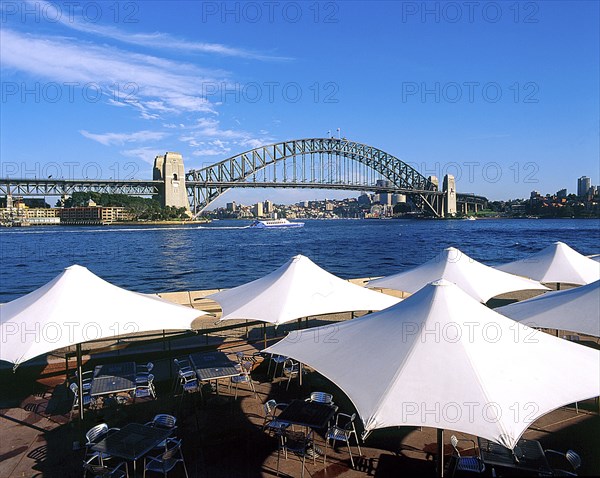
(275, 223)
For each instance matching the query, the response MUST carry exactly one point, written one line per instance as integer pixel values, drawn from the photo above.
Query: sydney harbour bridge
(318, 163)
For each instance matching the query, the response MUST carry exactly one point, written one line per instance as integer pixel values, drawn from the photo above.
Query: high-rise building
(268, 206)
(232, 206)
(257, 210)
(385, 199)
(562, 193)
(583, 186)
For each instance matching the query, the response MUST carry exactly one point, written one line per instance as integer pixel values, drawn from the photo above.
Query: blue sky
(502, 94)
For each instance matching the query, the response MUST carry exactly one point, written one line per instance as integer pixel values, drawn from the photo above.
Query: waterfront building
(94, 215)
(562, 193)
(386, 199)
(268, 207)
(257, 210)
(398, 198)
(29, 216)
(583, 186)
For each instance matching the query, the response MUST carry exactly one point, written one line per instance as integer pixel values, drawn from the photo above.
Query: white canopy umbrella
(299, 288)
(576, 310)
(556, 263)
(78, 306)
(441, 359)
(476, 279)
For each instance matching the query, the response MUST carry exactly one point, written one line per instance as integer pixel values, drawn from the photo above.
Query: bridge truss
(320, 163)
(60, 187)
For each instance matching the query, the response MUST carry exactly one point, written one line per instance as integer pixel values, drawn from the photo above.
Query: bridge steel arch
(207, 184)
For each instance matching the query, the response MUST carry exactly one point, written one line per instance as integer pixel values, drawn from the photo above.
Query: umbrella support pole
(265, 333)
(80, 382)
(440, 453)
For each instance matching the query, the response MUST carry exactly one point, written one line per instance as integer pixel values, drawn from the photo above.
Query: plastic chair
(243, 377)
(571, 457)
(298, 443)
(291, 369)
(167, 460)
(472, 464)
(342, 431)
(271, 423)
(102, 471)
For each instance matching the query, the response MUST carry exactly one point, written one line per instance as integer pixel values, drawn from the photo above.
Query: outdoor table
(528, 455)
(213, 366)
(307, 414)
(313, 415)
(132, 442)
(113, 378)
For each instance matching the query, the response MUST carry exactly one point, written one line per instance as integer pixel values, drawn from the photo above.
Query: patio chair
(277, 359)
(271, 423)
(142, 372)
(145, 389)
(570, 457)
(243, 377)
(472, 464)
(190, 384)
(93, 436)
(342, 431)
(164, 421)
(88, 400)
(95, 470)
(321, 397)
(291, 369)
(86, 380)
(298, 443)
(167, 460)
(184, 370)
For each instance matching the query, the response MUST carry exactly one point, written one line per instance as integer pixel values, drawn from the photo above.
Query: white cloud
(155, 86)
(108, 139)
(146, 153)
(73, 19)
(209, 139)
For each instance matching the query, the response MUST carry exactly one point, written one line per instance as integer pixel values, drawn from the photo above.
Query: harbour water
(227, 253)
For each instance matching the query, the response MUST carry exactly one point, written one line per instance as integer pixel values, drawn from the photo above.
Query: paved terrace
(222, 437)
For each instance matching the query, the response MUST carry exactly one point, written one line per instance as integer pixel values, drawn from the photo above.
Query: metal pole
(265, 333)
(80, 381)
(440, 452)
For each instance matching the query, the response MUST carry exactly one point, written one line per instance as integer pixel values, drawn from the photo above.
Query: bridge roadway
(136, 187)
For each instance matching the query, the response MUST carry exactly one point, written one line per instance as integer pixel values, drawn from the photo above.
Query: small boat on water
(275, 224)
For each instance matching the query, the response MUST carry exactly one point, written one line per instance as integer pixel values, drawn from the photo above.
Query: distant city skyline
(493, 96)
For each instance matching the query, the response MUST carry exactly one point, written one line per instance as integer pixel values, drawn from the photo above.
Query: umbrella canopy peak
(478, 280)
(77, 306)
(557, 263)
(299, 288)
